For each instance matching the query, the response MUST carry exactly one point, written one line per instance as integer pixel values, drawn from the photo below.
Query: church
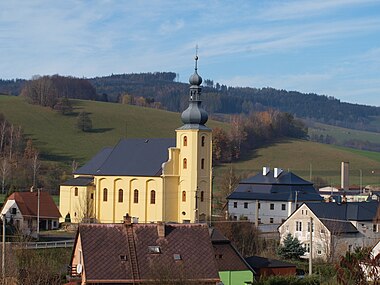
(152, 179)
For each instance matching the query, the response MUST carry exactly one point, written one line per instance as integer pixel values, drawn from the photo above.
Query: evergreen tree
(291, 248)
(84, 122)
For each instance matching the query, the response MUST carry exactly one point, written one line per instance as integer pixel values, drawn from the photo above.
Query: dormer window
(177, 257)
(154, 249)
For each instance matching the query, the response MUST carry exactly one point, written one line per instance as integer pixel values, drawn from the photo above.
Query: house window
(184, 163)
(120, 195)
(298, 226)
(154, 249)
(245, 205)
(92, 196)
(235, 218)
(259, 219)
(271, 220)
(105, 193)
(153, 197)
(185, 141)
(202, 163)
(183, 196)
(13, 211)
(374, 228)
(307, 247)
(202, 196)
(235, 204)
(203, 141)
(76, 191)
(283, 207)
(272, 206)
(136, 196)
(258, 205)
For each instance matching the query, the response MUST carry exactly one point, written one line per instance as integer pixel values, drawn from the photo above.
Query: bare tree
(35, 165)
(4, 170)
(11, 131)
(2, 134)
(85, 209)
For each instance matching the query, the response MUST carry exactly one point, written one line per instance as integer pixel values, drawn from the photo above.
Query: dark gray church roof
(352, 211)
(286, 187)
(130, 157)
(78, 181)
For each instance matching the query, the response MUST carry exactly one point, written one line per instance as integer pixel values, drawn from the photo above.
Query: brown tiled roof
(27, 203)
(226, 255)
(104, 244)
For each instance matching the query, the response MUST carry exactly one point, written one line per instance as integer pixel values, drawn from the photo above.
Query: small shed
(267, 267)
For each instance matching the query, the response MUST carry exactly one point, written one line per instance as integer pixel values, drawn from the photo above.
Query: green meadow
(344, 134)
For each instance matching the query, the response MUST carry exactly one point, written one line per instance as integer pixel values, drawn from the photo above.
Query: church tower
(194, 140)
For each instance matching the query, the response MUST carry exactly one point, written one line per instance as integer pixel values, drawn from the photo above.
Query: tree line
(248, 132)
(54, 91)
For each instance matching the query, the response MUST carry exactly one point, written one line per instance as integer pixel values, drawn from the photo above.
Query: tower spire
(194, 116)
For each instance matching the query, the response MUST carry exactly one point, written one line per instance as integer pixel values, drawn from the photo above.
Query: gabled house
(140, 253)
(270, 197)
(336, 228)
(24, 209)
(232, 267)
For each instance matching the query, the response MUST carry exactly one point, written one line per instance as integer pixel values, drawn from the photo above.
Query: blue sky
(329, 47)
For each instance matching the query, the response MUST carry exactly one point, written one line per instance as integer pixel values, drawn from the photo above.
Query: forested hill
(162, 89)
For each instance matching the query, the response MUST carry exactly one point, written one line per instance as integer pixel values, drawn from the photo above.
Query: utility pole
(38, 213)
(311, 247)
(3, 253)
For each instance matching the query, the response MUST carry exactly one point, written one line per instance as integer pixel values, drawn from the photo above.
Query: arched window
(202, 196)
(183, 196)
(184, 163)
(136, 196)
(105, 194)
(202, 163)
(120, 195)
(203, 141)
(153, 197)
(76, 191)
(185, 141)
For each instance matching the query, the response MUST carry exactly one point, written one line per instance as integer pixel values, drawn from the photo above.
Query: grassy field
(58, 138)
(304, 157)
(343, 134)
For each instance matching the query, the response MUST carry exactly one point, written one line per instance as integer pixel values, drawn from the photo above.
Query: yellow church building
(149, 179)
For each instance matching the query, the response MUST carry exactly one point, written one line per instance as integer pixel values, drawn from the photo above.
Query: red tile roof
(27, 203)
(104, 244)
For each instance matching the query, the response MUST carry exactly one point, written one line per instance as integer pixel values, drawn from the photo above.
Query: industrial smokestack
(344, 175)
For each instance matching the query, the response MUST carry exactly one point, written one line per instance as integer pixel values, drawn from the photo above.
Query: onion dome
(194, 115)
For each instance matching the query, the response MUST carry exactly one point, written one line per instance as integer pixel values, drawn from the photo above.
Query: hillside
(300, 156)
(59, 140)
(362, 140)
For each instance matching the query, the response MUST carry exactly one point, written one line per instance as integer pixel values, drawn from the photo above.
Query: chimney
(161, 229)
(127, 220)
(266, 170)
(344, 175)
(277, 172)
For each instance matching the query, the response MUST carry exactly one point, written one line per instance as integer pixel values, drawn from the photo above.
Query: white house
(336, 228)
(270, 197)
(23, 209)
